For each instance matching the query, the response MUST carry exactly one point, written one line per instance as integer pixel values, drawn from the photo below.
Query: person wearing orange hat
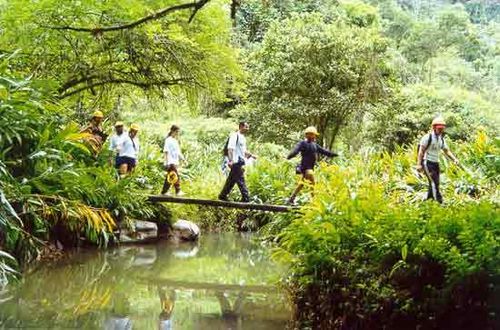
(428, 157)
(95, 128)
(308, 149)
(128, 152)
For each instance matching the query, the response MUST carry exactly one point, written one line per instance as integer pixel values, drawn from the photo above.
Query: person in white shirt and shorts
(173, 156)
(128, 152)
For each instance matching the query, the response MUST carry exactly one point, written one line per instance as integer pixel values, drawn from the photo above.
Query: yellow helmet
(97, 114)
(311, 130)
(438, 121)
(134, 127)
(119, 123)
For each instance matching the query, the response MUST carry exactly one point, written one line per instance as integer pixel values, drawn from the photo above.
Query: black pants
(432, 173)
(236, 176)
(166, 184)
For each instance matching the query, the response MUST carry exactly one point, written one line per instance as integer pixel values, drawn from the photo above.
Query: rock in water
(186, 230)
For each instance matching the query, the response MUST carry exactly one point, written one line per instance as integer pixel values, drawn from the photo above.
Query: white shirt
(432, 152)
(238, 143)
(116, 141)
(129, 148)
(173, 151)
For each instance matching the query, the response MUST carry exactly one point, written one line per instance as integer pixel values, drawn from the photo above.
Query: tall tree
(94, 46)
(311, 72)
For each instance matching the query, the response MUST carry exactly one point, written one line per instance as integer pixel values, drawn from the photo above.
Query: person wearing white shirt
(116, 141)
(128, 153)
(428, 157)
(236, 154)
(173, 156)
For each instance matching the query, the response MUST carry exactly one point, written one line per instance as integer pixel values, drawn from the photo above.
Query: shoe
(166, 194)
(224, 199)
(245, 201)
(180, 193)
(291, 202)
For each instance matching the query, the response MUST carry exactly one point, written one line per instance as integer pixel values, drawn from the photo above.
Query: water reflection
(224, 282)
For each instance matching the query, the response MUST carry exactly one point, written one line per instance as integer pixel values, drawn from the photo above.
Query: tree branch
(140, 84)
(196, 5)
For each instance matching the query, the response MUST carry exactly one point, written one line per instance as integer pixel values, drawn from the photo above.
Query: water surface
(226, 281)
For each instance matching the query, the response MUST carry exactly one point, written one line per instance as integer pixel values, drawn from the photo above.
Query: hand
(420, 168)
(230, 164)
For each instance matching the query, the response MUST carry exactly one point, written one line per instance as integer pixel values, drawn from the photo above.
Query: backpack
(429, 141)
(225, 150)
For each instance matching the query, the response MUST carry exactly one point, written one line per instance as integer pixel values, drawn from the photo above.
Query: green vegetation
(373, 253)
(370, 75)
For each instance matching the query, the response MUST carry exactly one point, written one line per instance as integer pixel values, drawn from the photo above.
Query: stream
(225, 281)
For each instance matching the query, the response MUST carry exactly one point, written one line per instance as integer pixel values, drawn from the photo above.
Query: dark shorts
(120, 160)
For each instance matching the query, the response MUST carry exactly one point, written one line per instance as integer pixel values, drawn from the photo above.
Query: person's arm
(231, 146)
(421, 151)
(326, 152)
(250, 155)
(295, 151)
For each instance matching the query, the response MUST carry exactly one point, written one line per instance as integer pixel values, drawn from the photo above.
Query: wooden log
(218, 203)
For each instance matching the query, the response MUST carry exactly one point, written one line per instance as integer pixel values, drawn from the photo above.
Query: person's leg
(299, 187)
(166, 184)
(430, 191)
(432, 172)
(240, 180)
(435, 178)
(177, 184)
(228, 185)
(131, 164)
(309, 178)
(123, 169)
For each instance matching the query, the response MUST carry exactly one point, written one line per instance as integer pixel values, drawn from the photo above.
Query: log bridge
(219, 203)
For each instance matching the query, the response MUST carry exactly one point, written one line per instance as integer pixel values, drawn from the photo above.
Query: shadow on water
(226, 281)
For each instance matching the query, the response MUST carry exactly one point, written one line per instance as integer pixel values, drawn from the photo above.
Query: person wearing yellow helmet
(428, 156)
(128, 154)
(95, 129)
(116, 141)
(309, 150)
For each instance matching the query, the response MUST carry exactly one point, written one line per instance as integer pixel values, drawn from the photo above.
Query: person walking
(173, 156)
(95, 129)
(236, 154)
(428, 157)
(308, 149)
(128, 152)
(116, 141)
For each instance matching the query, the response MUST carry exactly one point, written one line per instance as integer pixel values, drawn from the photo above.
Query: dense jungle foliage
(365, 250)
